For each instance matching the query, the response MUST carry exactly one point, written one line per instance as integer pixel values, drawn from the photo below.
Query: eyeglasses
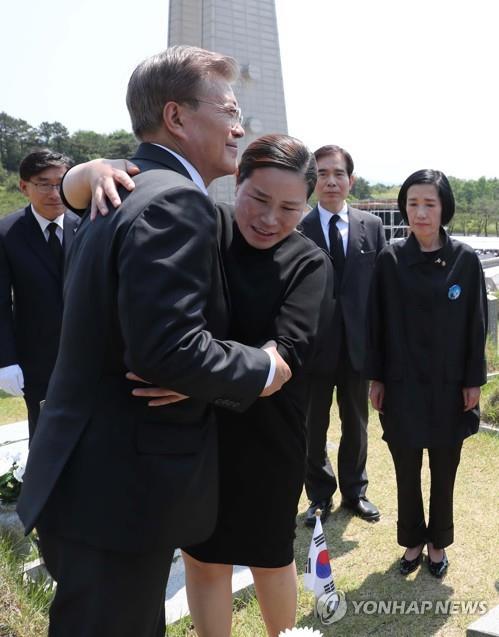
(234, 112)
(46, 188)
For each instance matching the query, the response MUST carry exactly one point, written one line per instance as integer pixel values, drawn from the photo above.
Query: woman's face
(269, 205)
(424, 211)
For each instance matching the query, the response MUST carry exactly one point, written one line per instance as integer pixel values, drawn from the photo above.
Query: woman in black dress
(426, 341)
(280, 286)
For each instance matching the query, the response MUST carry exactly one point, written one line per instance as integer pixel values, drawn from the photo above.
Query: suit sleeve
(306, 311)
(375, 345)
(476, 334)
(164, 270)
(381, 236)
(8, 353)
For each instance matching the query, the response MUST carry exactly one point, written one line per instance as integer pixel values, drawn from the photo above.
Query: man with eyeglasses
(112, 485)
(33, 241)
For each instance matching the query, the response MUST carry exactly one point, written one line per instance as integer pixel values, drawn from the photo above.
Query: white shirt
(44, 224)
(341, 224)
(193, 173)
(197, 179)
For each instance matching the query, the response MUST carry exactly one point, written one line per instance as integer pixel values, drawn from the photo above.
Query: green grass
(12, 409)
(364, 558)
(10, 201)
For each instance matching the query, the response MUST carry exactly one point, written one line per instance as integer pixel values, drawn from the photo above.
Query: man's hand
(12, 380)
(471, 396)
(160, 395)
(377, 395)
(282, 372)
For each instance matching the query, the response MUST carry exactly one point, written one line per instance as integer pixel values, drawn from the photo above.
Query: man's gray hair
(174, 75)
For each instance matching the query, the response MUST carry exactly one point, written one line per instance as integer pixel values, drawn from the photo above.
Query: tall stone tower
(247, 30)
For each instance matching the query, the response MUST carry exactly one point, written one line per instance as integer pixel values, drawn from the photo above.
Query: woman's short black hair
(441, 183)
(279, 151)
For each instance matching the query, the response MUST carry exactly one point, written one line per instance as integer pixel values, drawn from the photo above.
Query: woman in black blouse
(426, 341)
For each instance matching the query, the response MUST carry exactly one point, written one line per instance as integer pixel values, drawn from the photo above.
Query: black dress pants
(351, 395)
(105, 593)
(412, 529)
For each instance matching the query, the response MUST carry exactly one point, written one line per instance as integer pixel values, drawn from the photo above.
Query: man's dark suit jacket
(30, 297)
(144, 292)
(366, 238)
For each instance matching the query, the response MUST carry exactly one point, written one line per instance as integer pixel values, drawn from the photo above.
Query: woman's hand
(103, 175)
(160, 395)
(377, 395)
(471, 396)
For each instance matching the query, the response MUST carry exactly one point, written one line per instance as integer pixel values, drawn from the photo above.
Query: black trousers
(104, 593)
(412, 529)
(351, 395)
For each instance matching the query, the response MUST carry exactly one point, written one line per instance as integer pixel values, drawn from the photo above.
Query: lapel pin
(440, 262)
(454, 292)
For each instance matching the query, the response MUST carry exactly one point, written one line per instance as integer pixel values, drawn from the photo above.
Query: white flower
(18, 472)
(6, 462)
(300, 632)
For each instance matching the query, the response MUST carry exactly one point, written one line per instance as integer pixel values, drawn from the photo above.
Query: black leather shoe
(362, 507)
(325, 507)
(438, 569)
(408, 566)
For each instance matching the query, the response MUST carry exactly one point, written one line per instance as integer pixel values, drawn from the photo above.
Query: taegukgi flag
(318, 576)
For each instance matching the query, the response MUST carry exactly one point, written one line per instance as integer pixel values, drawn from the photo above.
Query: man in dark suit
(111, 484)
(33, 241)
(353, 239)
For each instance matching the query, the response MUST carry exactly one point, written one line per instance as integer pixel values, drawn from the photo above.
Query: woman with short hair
(426, 341)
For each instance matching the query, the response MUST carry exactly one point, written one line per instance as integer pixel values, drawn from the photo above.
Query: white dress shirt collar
(44, 223)
(326, 214)
(193, 173)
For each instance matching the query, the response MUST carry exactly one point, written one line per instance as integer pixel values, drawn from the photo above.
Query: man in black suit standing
(112, 485)
(33, 241)
(353, 239)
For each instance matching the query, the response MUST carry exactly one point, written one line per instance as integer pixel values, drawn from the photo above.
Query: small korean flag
(318, 576)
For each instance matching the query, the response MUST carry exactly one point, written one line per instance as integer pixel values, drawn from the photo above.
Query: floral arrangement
(12, 466)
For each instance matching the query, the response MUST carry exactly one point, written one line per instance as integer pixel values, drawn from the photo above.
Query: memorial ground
(364, 557)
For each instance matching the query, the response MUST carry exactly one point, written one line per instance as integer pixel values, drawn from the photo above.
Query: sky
(402, 85)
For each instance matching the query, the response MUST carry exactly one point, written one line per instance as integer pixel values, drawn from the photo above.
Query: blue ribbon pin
(454, 292)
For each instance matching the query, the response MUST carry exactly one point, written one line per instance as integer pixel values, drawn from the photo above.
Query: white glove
(12, 380)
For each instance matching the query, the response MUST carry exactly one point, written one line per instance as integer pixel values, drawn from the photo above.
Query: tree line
(477, 201)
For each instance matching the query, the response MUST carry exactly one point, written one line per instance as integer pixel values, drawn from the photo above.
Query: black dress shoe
(438, 569)
(325, 507)
(362, 507)
(408, 566)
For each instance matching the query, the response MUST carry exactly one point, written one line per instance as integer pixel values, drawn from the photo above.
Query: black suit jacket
(144, 291)
(30, 296)
(365, 240)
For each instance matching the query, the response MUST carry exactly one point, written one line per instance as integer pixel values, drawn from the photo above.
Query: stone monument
(247, 30)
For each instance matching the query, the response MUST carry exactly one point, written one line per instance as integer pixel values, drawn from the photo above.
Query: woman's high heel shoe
(408, 566)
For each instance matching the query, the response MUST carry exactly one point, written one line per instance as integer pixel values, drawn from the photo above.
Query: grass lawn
(12, 409)
(365, 558)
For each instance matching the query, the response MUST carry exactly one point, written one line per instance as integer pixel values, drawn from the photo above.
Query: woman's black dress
(283, 293)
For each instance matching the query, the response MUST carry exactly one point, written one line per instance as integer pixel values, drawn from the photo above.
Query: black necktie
(55, 245)
(336, 247)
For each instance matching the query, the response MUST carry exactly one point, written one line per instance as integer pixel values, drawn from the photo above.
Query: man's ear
(174, 118)
(352, 180)
(23, 187)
